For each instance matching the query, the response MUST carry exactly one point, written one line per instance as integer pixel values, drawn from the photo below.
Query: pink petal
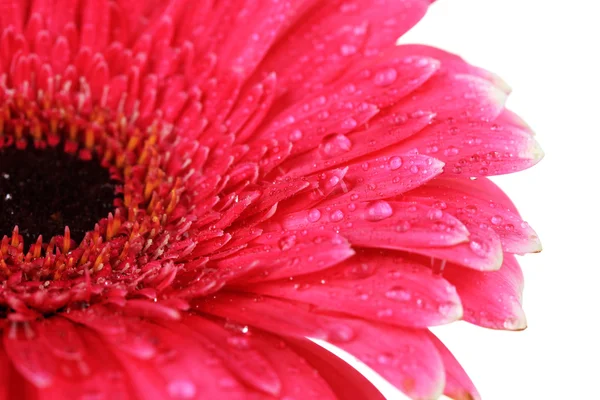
(285, 253)
(28, 354)
(456, 97)
(383, 224)
(239, 353)
(483, 251)
(458, 384)
(385, 177)
(174, 372)
(482, 147)
(333, 35)
(451, 64)
(344, 380)
(480, 204)
(265, 313)
(390, 128)
(376, 286)
(351, 101)
(403, 356)
(299, 378)
(491, 299)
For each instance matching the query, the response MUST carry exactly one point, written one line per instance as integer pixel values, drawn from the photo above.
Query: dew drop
(496, 220)
(287, 242)
(395, 163)
(348, 49)
(478, 248)
(385, 77)
(342, 333)
(451, 151)
(337, 215)
(314, 215)
(379, 210)
(182, 389)
(334, 145)
(398, 293)
(295, 135)
(434, 214)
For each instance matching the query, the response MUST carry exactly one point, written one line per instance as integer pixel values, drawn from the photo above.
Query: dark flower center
(42, 190)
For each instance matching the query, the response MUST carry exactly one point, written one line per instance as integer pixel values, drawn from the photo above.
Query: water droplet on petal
(314, 215)
(478, 248)
(379, 210)
(385, 77)
(287, 242)
(334, 145)
(342, 333)
(337, 215)
(434, 214)
(451, 151)
(496, 219)
(181, 389)
(395, 163)
(295, 135)
(398, 293)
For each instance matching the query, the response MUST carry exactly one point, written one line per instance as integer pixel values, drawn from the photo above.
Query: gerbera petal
(483, 251)
(383, 224)
(25, 347)
(381, 133)
(285, 253)
(335, 34)
(175, 371)
(458, 384)
(492, 298)
(344, 380)
(452, 64)
(307, 381)
(350, 103)
(481, 206)
(384, 177)
(371, 285)
(404, 356)
(481, 148)
(238, 352)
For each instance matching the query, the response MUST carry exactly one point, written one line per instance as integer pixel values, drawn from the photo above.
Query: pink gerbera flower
(194, 187)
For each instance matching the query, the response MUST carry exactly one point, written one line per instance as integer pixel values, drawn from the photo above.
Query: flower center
(42, 190)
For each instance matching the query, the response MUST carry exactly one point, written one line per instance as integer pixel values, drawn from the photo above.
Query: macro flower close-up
(189, 190)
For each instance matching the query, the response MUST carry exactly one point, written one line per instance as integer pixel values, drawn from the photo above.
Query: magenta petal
(388, 130)
(483, 251)
(383, 224)
(239, 353)
(458, 384)
(385, 177)
(175, 371)
(281, 254)
(334, 35)
(493, 298)
(481, 205)
(482, 148)
(299, 377)
(27, 352)
(345, 381)
(405, 357)
(452, 64)
(382, 287)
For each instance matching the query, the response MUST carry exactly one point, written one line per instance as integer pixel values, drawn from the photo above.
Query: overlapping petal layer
(286, 172)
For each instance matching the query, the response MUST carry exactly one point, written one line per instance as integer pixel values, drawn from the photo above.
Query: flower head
(191, 188)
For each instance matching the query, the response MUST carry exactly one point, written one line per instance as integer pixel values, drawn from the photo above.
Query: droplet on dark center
(44, 190)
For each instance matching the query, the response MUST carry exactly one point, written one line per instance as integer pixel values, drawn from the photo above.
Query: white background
(548, 51)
